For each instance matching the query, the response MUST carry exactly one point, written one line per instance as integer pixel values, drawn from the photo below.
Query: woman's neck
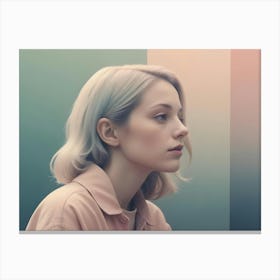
(127, 178)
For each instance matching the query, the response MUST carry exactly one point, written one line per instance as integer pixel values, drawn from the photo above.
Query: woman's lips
(176, 150)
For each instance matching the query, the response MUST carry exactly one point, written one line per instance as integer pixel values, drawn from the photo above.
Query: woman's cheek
(149, 137)
(143, 135)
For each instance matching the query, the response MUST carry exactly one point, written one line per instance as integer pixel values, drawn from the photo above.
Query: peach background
(205, 75)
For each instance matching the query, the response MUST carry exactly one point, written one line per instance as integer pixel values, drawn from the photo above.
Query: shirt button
(123, 219)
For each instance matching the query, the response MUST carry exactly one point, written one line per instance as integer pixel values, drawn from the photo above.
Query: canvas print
(148, 140)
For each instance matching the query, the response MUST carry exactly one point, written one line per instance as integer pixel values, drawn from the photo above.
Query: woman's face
(152, 137)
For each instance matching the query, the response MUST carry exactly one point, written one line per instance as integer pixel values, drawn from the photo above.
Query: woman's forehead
(161, 93)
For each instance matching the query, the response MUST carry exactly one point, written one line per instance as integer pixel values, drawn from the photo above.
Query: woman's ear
(107, 132)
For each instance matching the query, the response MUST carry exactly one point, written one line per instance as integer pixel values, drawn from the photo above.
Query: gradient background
(223, 108)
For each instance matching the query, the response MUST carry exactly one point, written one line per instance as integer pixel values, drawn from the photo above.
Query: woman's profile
(124, 135)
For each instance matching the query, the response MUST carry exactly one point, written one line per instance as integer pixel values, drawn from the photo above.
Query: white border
(153, 24)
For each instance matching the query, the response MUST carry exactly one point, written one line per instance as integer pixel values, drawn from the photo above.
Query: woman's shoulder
(64, 194)
(157, 217)
(154, 209)
(61, 207)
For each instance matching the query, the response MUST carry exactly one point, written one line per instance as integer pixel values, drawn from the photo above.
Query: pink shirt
(89, 203)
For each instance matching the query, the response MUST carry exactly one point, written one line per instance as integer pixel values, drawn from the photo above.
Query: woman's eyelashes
(163, 117)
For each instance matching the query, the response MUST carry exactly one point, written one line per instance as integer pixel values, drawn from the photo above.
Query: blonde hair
(112, 92)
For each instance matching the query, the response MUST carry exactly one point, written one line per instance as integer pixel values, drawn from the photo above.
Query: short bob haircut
(112, 92)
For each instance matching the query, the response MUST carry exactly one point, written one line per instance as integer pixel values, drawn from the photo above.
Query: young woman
(125, 132)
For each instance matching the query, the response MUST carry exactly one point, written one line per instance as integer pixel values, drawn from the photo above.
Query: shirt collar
(99, 185)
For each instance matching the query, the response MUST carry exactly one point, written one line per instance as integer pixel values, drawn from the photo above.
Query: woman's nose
(181, 131)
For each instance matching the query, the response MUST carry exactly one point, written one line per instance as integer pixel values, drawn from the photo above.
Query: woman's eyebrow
(167, 106)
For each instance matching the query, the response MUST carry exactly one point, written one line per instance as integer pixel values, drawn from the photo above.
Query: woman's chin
(170, 168)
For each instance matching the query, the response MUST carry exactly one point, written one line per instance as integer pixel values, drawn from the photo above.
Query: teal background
(50, 81)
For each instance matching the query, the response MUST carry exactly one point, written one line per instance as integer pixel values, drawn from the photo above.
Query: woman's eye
(161, 117)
